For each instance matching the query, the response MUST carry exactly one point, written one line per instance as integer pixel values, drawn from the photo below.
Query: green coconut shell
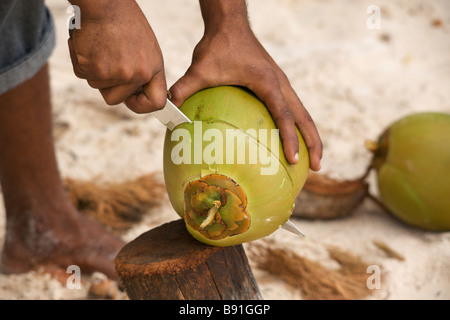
(270, 198)
(412, 159)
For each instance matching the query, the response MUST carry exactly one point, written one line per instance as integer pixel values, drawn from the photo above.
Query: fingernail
(296, 157)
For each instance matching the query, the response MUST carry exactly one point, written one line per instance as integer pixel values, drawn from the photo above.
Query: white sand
(354, 81)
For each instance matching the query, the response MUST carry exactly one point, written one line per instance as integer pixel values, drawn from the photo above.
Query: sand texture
(353, 80)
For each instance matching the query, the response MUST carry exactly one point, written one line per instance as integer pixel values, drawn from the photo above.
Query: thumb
(186, 86)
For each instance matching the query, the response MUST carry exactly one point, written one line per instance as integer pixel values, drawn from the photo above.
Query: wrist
(224, 15)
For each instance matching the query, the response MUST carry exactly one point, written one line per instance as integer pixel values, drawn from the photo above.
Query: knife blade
(171, 116)
(291, 227)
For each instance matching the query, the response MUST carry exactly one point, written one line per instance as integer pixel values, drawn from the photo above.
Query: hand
(233, 56)
(116, 51)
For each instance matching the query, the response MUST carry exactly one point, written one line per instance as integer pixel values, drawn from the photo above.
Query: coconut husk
(104, 289)
(391, 253)
(312, 279)
(325, 198)
(117, 205)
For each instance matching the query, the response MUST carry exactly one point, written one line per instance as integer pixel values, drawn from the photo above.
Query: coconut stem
(211, 214)
(371, 145)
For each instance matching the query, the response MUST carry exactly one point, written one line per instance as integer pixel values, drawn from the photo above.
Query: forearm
(223, 14)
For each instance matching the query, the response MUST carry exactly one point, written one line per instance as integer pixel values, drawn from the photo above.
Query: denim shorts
(27, 39)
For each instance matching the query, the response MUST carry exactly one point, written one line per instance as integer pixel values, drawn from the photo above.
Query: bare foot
(42, 226)
(36, 237)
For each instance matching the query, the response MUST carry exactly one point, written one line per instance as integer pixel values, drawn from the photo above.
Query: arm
(116, 51)
(230, 54)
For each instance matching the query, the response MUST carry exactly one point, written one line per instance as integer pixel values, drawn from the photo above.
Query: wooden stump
(168, 263)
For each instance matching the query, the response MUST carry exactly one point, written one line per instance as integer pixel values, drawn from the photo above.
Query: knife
(171, 116)
(291, 227)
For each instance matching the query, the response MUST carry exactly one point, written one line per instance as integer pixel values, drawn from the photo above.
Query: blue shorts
(27, 39)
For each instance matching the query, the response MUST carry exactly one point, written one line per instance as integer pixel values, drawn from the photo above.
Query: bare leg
(42, 225)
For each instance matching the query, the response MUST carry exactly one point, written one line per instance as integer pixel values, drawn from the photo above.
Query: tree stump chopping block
(167, 263)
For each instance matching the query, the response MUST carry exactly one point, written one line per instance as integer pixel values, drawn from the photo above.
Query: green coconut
(412, 160)
(226, 173)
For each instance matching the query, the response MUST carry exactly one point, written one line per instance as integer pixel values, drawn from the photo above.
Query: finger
(106, 76)
(311, 136)
(118, 94)
(104, 84)
(308, 131)
(306, 127)
(273, 98)
(186, 86)
(153, 97)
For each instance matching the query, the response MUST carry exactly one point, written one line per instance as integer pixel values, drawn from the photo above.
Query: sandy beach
(354, 81)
